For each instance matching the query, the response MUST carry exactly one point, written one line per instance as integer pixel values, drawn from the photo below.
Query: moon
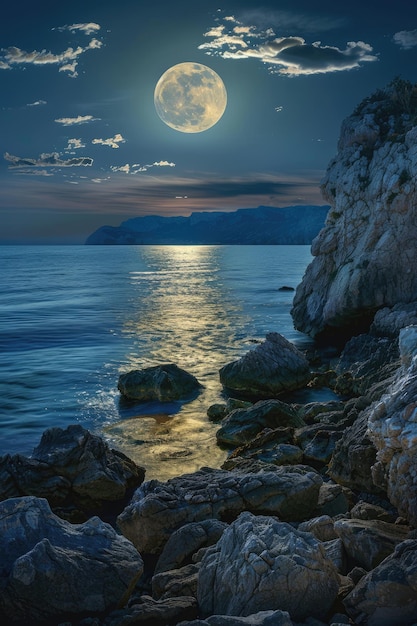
(190, 97)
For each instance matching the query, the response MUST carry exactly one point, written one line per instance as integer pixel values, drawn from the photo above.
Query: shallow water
(73, 318)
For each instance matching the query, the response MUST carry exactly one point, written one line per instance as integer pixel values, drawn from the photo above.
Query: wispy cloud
(80, 119)
(406, 39)
(286, 55)
(112, 142)
(67, 61)
(137, 168)
(37, 103)
(87, 28)
(52, 159)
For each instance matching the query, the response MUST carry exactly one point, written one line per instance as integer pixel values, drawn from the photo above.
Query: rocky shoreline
(303, 524)
(312, 519)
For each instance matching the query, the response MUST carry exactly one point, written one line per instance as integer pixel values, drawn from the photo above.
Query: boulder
(176, 582)
(390, 320)
(272, 367)
(388, 594)
(187, 540)
(362, 257)
(242, 425)
(392, 427)
(162, 382)
(53, 570)
(261, 563)
(158, 509)
(269, 446)
(368, 542)
(75, 470)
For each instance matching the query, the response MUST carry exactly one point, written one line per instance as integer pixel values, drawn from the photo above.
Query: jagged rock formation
(366, 251)
(263, 225)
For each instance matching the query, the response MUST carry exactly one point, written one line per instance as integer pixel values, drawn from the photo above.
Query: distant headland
(263, 225)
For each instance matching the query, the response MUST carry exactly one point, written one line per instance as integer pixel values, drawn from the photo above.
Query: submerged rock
(161, 382)
(53, 570)
(261, 563)
(272, 367)
(158, 509)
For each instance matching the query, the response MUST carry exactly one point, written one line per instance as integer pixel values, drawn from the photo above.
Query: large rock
(158, 509)
(242, 425)
(162, 382)
(363, 255)
(388, 594)
(73, 469)
(272, 367)
(263, 564)
(52, 569)
(392, 427)
(262, 618)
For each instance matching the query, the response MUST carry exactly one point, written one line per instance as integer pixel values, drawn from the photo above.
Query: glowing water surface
(74, 318)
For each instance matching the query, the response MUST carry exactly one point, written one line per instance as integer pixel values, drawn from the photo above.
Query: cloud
(137, 168)
(34, 172)
(75, 144)
(112, 142)
(37, 103)
(66, 60)
(51, 159)
(87, 29)
(290, 55)
(406, 39)
(80, 119)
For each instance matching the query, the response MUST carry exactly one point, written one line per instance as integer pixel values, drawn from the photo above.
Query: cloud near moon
(190, 97)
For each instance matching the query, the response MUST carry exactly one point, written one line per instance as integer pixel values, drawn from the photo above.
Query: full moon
(190, 97)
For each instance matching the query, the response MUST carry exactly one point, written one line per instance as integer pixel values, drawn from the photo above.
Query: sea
(73, 318)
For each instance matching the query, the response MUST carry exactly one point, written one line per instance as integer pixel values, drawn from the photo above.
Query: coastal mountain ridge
(256, 226)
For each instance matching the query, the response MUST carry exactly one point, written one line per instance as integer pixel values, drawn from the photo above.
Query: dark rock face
(158, 509)
(260, 563)
(388, 594)
(363, 254)
(271, 368)
(161, 382)
(51, 568)
(74, 470)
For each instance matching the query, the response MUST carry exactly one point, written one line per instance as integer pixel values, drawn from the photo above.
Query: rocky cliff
(263, 225)
(364, 256)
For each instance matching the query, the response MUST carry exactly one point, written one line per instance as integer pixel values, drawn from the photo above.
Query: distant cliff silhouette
(263, 225)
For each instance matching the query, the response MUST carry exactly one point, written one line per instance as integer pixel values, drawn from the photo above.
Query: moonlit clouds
(289, 55)
(75, 144)
(67, 61)
(112, 142)
(80, 119)
(137, 168)
(52, 159)
(37, 103)
(406, 39)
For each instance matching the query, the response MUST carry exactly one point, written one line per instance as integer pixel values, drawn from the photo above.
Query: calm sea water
(73, 318)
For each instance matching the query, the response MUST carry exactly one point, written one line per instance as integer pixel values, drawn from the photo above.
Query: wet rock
(162, 382)
(270, 368)
(368, 542)
(242, 425)
(157, 509)
(260, 563)
(75, 470)
(52, 569)
(388, 594)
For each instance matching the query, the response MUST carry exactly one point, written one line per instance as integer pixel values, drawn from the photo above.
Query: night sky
(82, 144)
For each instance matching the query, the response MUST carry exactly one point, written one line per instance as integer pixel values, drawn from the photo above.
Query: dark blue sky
(82, 145)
